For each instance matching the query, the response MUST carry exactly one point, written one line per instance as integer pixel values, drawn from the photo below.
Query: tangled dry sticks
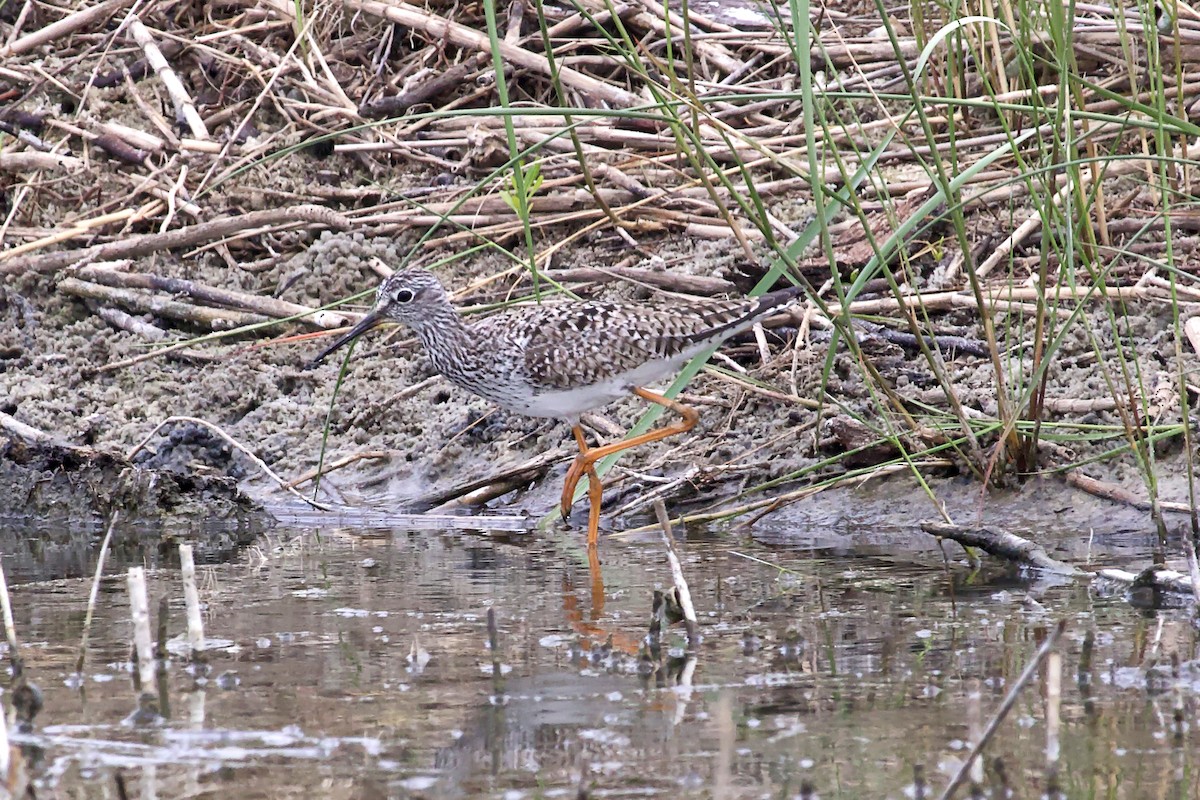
(171, 100)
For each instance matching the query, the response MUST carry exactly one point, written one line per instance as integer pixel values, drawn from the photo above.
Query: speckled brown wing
(580, 344)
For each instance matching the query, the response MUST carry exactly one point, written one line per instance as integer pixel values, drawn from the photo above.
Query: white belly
(570, 403)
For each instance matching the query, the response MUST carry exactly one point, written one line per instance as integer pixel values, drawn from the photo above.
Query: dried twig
(518, 474)
(265, 306)
(1003, 544)
(136, 246)
(28, 433)
(143, 303)
(1119, 494)
(151, 333)
(179, 96)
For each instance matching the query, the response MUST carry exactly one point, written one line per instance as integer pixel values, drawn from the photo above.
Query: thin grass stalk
(1163, 143)
(81, 659)
(1060, 24)
(946, 184)
(520, 179)
(576, 142)
(1031, 394)
(892, 245)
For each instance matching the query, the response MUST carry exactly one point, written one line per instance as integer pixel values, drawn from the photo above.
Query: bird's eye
(404, 296)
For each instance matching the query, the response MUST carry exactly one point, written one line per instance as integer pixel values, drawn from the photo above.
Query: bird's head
(409, 296)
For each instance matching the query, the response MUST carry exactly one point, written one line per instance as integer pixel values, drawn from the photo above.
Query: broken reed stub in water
(10, 628)
(682, 591)
(139, 611)
(1053, 721)
(191, 599)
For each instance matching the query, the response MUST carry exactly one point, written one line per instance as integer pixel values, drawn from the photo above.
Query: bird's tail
(758, 308)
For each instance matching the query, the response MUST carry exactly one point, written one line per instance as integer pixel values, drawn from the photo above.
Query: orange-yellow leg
(595, 489)
(584, 463)
(576, 471)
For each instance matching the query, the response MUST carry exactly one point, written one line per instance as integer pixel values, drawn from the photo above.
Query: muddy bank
(424, 435)
(883, 516)
(57, 501)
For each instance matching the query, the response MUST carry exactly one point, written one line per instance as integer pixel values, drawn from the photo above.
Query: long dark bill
(367, 323)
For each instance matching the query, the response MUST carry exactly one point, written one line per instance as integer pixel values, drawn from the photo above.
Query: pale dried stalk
(682, 590)
(1053, 708)
(191, 599)
(10, 628)
(266, 306)
(135, 246)
(143, 303)
(133, 137)
(175, 89)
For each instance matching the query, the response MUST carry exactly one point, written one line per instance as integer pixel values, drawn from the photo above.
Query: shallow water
(845, 672)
